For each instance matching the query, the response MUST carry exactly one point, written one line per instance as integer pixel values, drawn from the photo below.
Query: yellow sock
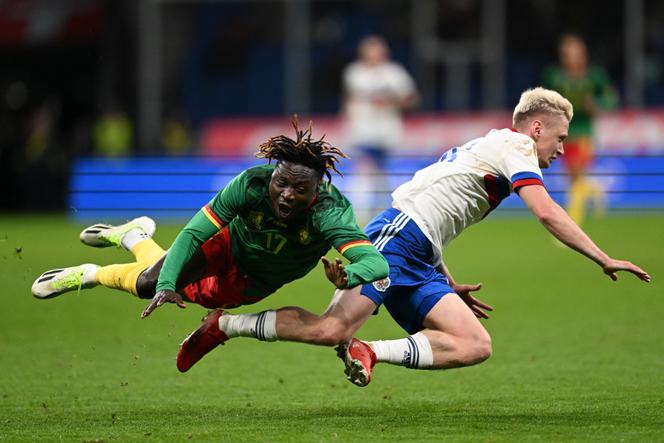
(576, 204)
(147, 251)
(123, 277)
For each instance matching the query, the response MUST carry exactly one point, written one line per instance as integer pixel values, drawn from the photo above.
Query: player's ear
(536, 129)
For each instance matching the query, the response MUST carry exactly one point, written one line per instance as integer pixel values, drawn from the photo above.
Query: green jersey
(593, 90)
(270, 251)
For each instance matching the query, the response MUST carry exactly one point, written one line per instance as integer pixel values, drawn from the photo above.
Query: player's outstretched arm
(560, 224)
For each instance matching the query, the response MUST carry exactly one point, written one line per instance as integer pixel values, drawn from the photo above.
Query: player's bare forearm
(567, 231)
(410, 101)
(560, 224)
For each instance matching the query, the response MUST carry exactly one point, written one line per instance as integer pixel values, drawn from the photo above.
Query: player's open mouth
(283, 210)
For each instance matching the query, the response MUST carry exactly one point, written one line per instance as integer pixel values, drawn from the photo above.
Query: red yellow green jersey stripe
(212, 217)
(349, 245)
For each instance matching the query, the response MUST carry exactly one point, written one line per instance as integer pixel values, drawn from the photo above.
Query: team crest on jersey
(255, 219)
(382, 285)
(303, 235)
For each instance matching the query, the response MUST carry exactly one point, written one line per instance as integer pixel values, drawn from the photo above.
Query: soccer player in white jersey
(428, 212)
(376, 92)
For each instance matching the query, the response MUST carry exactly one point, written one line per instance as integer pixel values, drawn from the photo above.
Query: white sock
(89, 276)
(262, 326)
(132, 237)
(413, 352)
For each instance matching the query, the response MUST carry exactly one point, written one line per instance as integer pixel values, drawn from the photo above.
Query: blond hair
(541, 101)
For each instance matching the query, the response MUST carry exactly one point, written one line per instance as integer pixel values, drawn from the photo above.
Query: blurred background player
(113, 133)
(376, 91)
(589, 90)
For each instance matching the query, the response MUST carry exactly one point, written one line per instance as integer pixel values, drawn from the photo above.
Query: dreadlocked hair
(316, 154)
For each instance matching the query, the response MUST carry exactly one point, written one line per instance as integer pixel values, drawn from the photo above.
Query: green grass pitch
(577, 357)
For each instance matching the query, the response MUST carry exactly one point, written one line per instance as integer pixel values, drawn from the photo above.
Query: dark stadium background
(66, 64)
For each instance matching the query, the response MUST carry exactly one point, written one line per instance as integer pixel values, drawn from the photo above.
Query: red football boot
(204, 339)
(359, 359)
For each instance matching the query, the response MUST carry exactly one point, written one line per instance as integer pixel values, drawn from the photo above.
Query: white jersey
(369, 121)
(467, 183)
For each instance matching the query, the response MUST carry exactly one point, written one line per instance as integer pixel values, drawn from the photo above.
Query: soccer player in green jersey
(589, 90)
(269, 226)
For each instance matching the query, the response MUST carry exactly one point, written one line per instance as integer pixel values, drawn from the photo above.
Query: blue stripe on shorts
(415, 285)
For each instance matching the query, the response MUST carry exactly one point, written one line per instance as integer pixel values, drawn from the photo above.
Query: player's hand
(477, 306)
(614, 266)
(161, 297)
(335, 272)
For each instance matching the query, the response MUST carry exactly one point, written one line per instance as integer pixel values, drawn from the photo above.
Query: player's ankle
(261, 326)
(413, 351)
(89, 277)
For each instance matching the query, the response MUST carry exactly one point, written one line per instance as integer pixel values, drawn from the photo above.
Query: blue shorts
(377, 154)
(415, 285)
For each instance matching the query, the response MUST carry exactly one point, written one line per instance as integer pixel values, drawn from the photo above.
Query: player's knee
(146, 284)
(479, 349)
(332, 332)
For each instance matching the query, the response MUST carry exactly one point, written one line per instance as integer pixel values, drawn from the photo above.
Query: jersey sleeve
(520, 164)
(194, 234)
(403, 82)
(229, 202)
(339, 228)
(207, 222)
(366, 265)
